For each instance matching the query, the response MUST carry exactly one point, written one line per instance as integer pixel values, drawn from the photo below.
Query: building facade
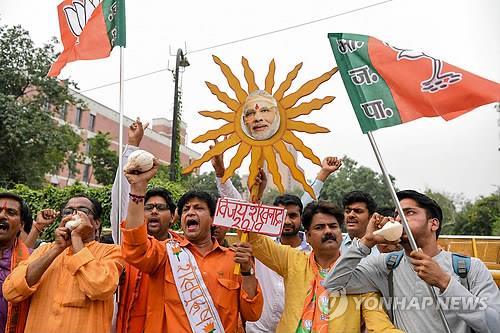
(95, 117)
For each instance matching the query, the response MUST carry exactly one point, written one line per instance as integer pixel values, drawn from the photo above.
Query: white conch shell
(74, 222)
(140, 161)
(391, 231)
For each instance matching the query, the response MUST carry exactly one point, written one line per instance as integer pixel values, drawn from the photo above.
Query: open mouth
(192, 225)
(4, 225)
(351, 223)
(153, 222)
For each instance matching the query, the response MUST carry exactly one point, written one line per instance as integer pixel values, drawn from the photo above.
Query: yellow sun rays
(264, 150)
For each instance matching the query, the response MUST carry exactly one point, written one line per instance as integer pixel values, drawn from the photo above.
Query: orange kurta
(75, 294)
(165, 311)
(134, 286)
(133, 301)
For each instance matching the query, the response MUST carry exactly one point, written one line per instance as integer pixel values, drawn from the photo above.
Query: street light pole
(180, 61)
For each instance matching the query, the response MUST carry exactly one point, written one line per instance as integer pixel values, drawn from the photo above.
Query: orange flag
(389, 86)
(89, 30)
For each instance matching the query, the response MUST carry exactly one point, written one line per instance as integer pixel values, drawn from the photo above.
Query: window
(92, 118)
(78, 117)
(63, 112)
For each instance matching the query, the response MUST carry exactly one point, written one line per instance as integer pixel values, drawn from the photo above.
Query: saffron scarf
(315, 315)
(196, 300)
(17, 313)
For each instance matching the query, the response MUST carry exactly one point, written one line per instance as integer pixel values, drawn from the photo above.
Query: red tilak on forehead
(4, 205)
(256, 106)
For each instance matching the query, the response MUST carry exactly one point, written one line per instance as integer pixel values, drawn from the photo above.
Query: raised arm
(44, 219)
(328, 166)
(139, 249)
(226, 189)
(135, 134)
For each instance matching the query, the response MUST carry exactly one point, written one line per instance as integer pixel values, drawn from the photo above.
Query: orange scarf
(17, 313)
(315, 315)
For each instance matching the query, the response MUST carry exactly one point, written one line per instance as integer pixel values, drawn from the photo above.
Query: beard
(294, 231)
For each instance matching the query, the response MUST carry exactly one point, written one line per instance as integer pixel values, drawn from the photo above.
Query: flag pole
(120, 150)
(404, 221)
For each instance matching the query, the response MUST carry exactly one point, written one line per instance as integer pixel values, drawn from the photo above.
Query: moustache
(328, 237)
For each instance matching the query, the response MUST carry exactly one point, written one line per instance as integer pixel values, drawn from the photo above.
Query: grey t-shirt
(414, 308)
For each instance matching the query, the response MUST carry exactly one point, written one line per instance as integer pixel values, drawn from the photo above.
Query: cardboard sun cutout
(260, 122)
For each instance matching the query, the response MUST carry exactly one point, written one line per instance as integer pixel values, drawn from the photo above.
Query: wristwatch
(249, 273)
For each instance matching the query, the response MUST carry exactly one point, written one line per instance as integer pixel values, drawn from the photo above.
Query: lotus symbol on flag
(78, 14)
(438, 80)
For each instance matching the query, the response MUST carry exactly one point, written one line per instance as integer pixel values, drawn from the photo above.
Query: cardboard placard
(249, 217)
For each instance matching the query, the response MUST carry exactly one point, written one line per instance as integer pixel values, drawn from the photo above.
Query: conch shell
(74, 222)
(391, 231)
(139, 161)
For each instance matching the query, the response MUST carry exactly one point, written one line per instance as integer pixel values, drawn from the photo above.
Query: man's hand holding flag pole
(389, 86)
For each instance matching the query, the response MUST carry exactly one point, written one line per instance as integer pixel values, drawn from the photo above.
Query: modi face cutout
(260, 118)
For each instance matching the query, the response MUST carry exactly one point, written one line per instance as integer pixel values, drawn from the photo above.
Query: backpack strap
(461, 267)
(392, 261)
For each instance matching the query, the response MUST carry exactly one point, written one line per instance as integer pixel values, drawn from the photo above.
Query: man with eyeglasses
(71, 281)
(158, 213)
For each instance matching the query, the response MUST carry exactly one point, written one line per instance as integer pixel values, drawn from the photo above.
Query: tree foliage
(206, 182)
(55, 198)
(32, 141)
(351, 177)
(480, 218)
(104, 160)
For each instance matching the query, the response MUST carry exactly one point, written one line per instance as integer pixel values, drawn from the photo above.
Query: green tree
(351, 177)
(33, 143)
(104, 160)
(206, 182)
(271, 194)
(480, 218)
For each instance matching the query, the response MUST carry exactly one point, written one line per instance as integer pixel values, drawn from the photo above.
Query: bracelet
(136, 198)
(361, 249)
(34, 225)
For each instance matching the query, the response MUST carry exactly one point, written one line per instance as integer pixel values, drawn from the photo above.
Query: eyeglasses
(70, 211)
(159, 206)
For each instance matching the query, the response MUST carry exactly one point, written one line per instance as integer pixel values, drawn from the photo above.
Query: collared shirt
(75, 294)
(297, 273)
(304, 245)
(165, 310)
(347, 242)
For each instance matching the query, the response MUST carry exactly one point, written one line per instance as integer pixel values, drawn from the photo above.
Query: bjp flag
(89, 30)
(389, 86)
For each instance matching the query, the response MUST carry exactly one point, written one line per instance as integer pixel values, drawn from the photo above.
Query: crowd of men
(310, 279)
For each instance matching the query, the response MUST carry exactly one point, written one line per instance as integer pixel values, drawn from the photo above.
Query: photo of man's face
(260, 117)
